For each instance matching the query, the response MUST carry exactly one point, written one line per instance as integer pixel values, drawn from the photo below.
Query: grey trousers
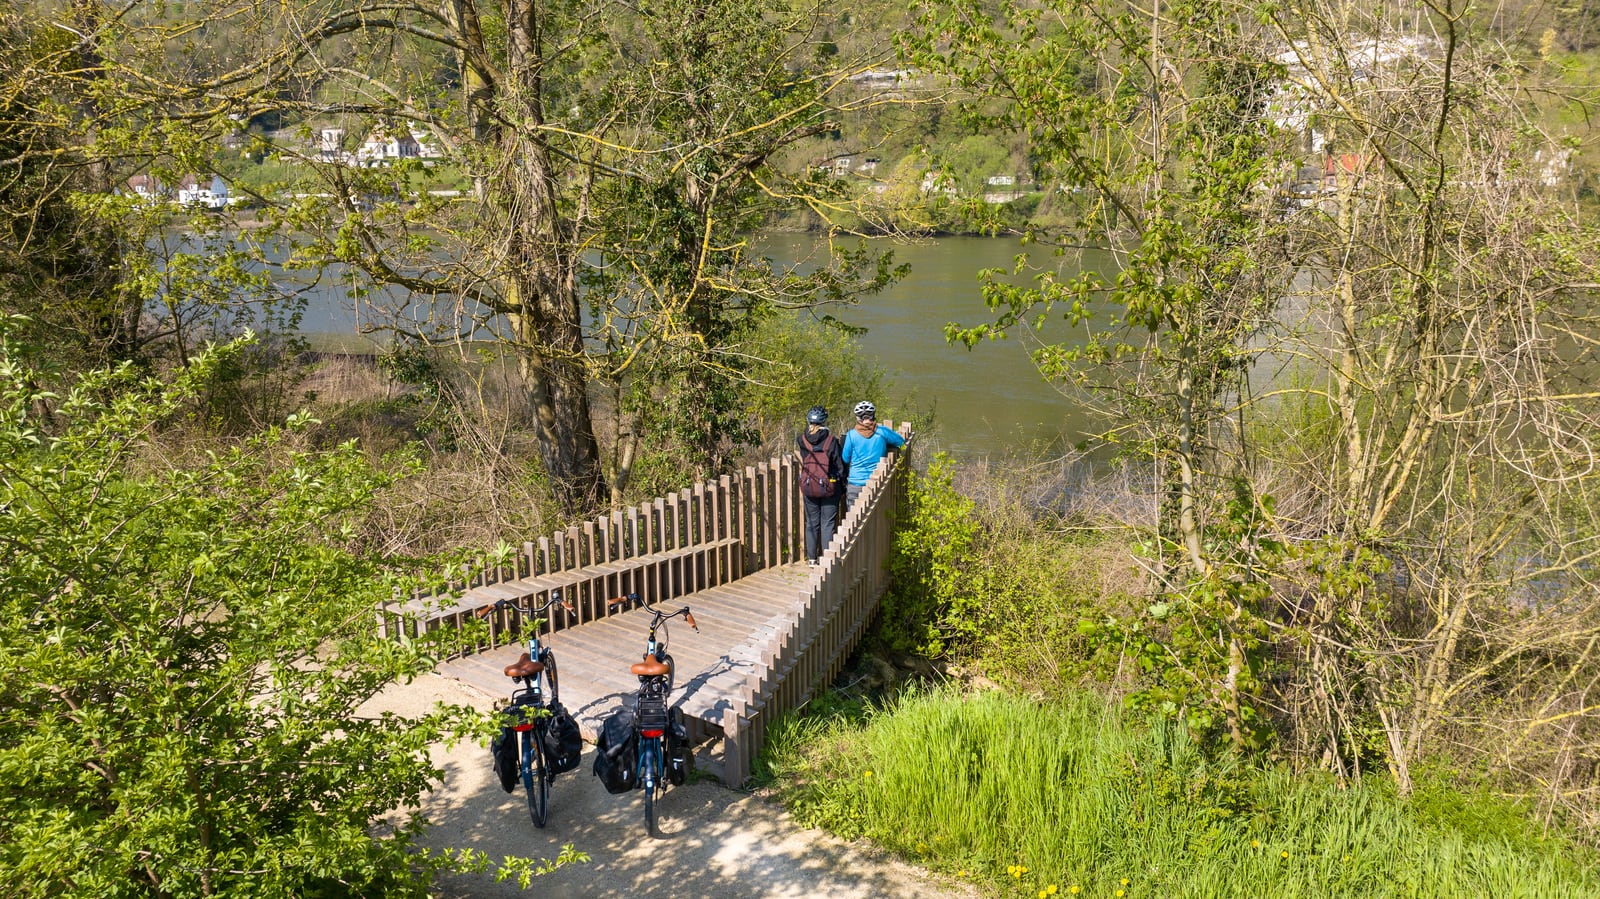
(851, 491)
(822, 518)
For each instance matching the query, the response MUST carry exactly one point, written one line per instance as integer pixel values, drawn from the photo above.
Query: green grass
(1024, 796)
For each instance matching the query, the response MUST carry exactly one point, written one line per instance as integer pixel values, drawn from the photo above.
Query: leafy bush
(987, 579)
(932, 540)
(805, 362)
(184, 657)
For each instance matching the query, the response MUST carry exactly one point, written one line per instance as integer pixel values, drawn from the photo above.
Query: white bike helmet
(865, 409)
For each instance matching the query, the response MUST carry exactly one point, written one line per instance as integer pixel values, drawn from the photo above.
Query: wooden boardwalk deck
(772, 631)
(715, 667)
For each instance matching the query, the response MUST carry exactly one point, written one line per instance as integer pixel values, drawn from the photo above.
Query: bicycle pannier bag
(815, 480)
(680, 764)
(616, 759)
(563, 742)
(504, 750)
(677, 730)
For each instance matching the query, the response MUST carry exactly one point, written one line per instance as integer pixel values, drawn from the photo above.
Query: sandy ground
(716, 842)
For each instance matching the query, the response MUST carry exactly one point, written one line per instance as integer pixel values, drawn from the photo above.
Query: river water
(985, 401)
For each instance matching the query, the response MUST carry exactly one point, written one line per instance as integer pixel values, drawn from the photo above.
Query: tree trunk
(540, 287)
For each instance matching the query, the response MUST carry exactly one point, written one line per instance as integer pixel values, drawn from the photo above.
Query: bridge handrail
(759, 508)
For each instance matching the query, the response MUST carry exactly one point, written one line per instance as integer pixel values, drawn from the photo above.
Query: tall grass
(1039, 798)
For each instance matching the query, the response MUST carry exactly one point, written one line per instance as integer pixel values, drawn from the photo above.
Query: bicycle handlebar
(555, 597)
(661, 616)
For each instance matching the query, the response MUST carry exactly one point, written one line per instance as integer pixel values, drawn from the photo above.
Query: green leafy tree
(1374, 201)
(1166, 146)
(186, 656)
(60, 262)
(614, 157)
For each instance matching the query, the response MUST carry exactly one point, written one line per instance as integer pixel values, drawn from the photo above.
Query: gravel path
(716, 842)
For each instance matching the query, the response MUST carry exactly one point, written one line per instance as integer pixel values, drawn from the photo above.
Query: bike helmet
(865, 409)
(816, 415)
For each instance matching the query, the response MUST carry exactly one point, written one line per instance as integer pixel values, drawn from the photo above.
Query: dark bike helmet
(865, 409)
(816, 415)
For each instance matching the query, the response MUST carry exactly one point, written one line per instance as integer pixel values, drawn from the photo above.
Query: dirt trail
(717, 842)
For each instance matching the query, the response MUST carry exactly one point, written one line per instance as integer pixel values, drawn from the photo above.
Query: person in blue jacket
(865, 445)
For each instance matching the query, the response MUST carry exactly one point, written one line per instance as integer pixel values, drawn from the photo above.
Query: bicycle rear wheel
(533, 777)
(651, 758)
(650, 811)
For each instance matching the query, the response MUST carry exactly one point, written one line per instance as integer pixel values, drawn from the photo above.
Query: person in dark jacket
(822, 512)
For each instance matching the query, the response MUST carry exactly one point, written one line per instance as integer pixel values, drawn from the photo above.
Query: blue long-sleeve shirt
(863, 454)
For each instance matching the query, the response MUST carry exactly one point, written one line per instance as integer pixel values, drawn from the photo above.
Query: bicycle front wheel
(533, 778)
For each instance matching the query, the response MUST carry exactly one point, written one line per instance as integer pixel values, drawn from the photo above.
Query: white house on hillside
(148, 188)
(383, 146)
(206, 192)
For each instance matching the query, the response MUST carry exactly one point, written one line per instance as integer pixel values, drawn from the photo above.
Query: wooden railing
(706, 534)
(808, 649)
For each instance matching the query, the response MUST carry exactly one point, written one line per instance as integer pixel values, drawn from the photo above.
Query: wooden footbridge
(773, 629)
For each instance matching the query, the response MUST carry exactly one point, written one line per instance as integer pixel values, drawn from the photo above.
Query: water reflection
(989, 400)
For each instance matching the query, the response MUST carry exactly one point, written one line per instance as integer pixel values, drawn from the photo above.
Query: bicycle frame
(536, 667)
(652, 716)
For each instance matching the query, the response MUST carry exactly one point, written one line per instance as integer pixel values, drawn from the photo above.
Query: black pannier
(680, 755)
(505, 751)
(616, 758)
(563, 742)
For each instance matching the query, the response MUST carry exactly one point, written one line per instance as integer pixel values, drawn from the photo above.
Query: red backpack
(815, 479)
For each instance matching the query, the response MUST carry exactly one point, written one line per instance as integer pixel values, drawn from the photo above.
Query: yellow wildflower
(1122, 892)
(1050, 890)
(1255, 844)
(1125, 881)
(1074, 889)
(1285, 853)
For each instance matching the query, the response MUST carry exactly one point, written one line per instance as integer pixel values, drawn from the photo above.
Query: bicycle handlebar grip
(689, 617)
(619, 600)
(486, 611)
